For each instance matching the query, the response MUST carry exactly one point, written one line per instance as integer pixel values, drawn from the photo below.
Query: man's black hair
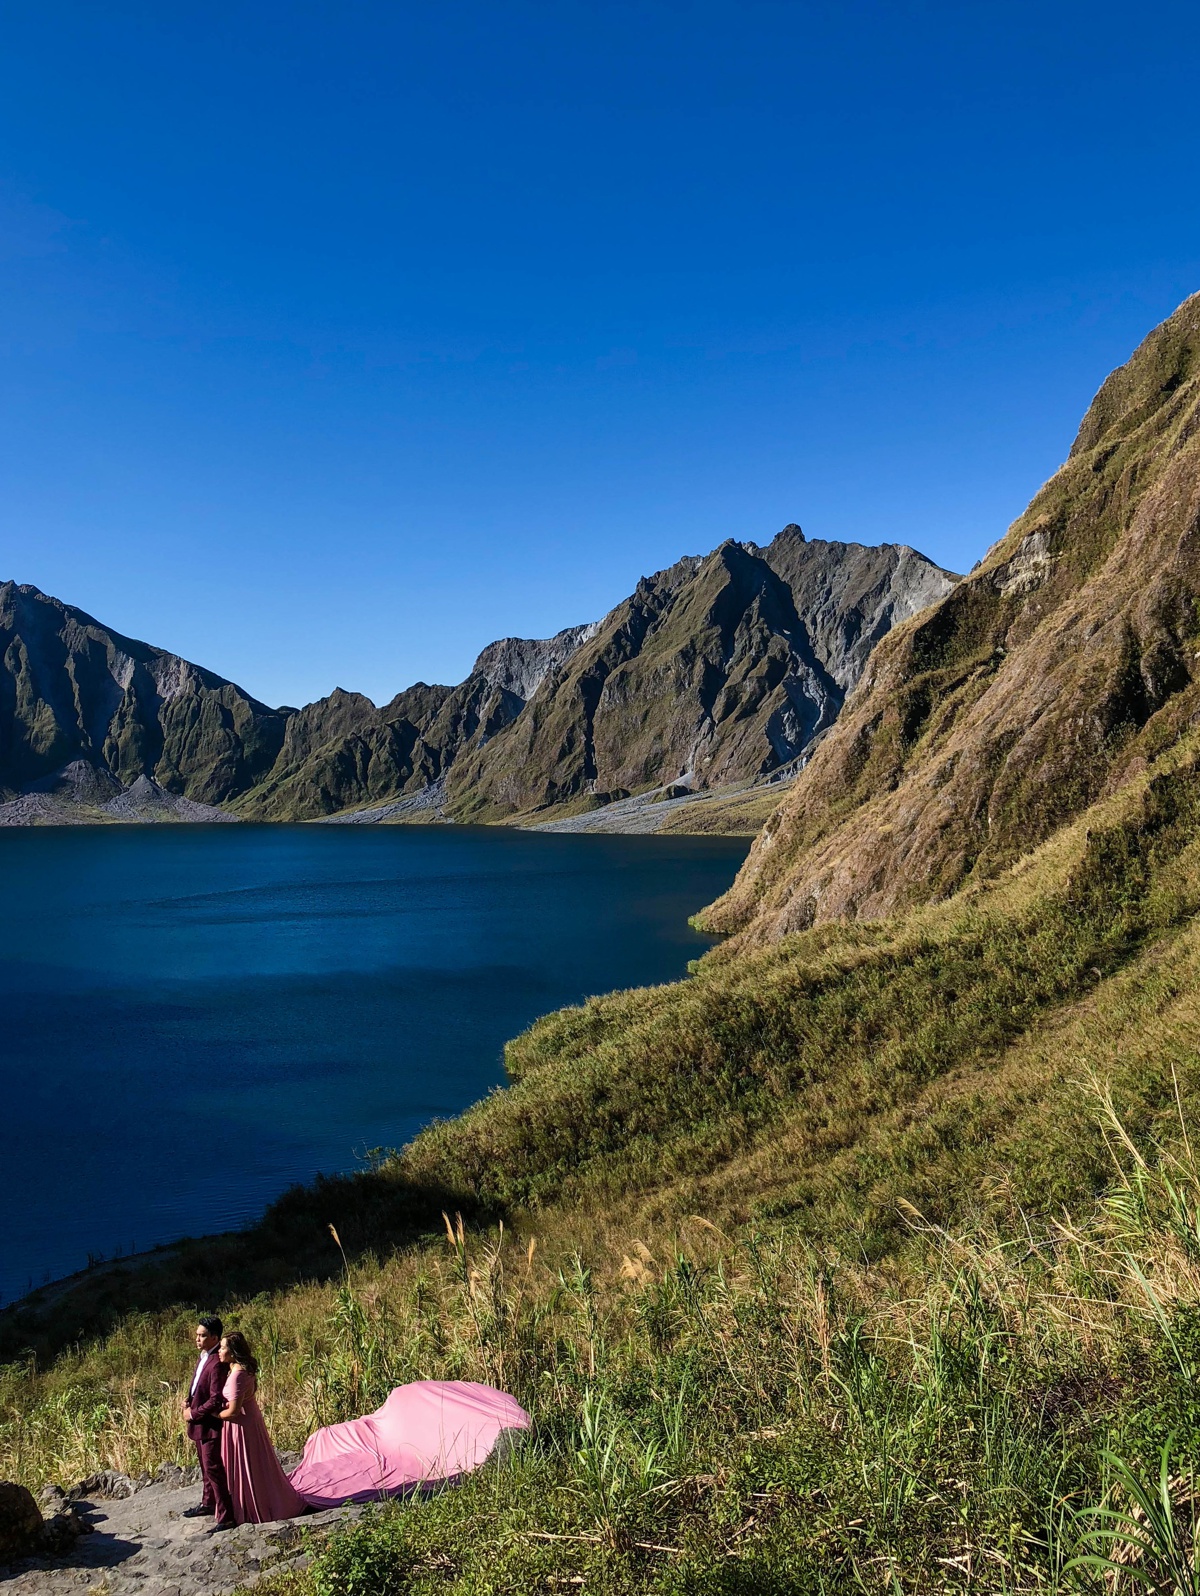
(211, 1324)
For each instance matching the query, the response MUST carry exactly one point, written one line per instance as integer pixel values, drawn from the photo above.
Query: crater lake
(195, 1018)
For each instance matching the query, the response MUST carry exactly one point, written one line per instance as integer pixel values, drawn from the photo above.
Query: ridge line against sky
(337, 342)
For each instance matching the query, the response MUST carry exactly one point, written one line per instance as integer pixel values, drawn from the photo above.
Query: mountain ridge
(72, 688)
(707, 673)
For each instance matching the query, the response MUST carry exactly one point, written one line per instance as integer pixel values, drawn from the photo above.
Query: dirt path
(143, 1544)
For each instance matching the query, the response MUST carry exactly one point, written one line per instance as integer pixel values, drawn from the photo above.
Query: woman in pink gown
(258, 1487)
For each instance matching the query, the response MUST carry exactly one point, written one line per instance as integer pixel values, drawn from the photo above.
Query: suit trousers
(216, 1487)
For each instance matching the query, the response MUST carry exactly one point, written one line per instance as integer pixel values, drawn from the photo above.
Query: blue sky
(337, 339)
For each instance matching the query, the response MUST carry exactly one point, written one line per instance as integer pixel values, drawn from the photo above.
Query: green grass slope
(788, 1278)
(868, 1257)
(830, 1029)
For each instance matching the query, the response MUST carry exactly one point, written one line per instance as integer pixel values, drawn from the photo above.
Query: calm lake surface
(193, 1018)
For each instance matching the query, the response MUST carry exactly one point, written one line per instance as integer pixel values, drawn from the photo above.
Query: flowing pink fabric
(258, 1487)
(426, 1432)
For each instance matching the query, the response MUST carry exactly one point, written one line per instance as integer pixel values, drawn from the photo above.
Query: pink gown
(258, 1487)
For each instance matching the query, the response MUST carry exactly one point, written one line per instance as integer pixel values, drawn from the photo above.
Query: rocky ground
(81, 796)
(641, 815)
(644, 813)
(138, 1543)
(428, 805)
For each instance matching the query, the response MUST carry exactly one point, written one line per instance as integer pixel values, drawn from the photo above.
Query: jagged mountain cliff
(1064, 665)
(721, 668)
(73, 691)
(718, 669)
(710, 672)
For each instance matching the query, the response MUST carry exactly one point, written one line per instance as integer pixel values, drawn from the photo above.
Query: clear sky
(339, 338)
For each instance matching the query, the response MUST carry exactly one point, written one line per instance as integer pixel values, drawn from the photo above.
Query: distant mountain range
(721, 669)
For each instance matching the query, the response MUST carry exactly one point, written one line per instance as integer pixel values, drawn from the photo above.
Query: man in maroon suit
(201, 1412)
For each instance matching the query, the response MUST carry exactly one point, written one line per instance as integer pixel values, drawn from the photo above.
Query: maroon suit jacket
(207, 1400)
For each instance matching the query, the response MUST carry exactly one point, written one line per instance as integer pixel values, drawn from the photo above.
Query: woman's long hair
(240, 1353)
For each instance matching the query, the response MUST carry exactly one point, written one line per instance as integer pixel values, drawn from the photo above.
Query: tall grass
(935, 1328)
(806, 1058)
(988, 1411)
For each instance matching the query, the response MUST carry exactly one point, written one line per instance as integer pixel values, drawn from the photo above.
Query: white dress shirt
(204, 1357)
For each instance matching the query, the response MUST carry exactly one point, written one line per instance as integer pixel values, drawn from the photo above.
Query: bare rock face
(108, 1485)
(852, 594)
(63, 1523)
(519, 665)
(20, 1523)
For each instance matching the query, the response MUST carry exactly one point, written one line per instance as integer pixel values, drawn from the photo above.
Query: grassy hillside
(1059, 667)
(804, 1060)
(868, 1257)
(823, 1266)
(750, 1414)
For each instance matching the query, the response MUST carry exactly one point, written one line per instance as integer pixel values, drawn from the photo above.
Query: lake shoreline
(737, 809)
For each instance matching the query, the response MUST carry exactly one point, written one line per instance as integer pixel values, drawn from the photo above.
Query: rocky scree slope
(1062, 666)
(721, 668)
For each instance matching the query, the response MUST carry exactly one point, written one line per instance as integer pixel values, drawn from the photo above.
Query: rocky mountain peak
(72, 689)
(713, 671)
(520, 664)
(721, 667)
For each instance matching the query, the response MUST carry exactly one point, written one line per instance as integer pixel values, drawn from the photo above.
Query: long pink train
(424, 1434)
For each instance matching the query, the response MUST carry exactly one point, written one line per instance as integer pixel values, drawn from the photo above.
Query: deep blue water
(193, 1018)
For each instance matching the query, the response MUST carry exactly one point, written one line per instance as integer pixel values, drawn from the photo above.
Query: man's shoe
(215, 1529)
(197, 1512)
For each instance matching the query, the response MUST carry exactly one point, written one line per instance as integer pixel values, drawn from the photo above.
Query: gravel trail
(143, 1544)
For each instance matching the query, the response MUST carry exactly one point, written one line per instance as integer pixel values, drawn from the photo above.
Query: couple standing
(243, 1481)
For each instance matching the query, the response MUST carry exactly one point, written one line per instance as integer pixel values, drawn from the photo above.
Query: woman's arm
(238, 1400)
